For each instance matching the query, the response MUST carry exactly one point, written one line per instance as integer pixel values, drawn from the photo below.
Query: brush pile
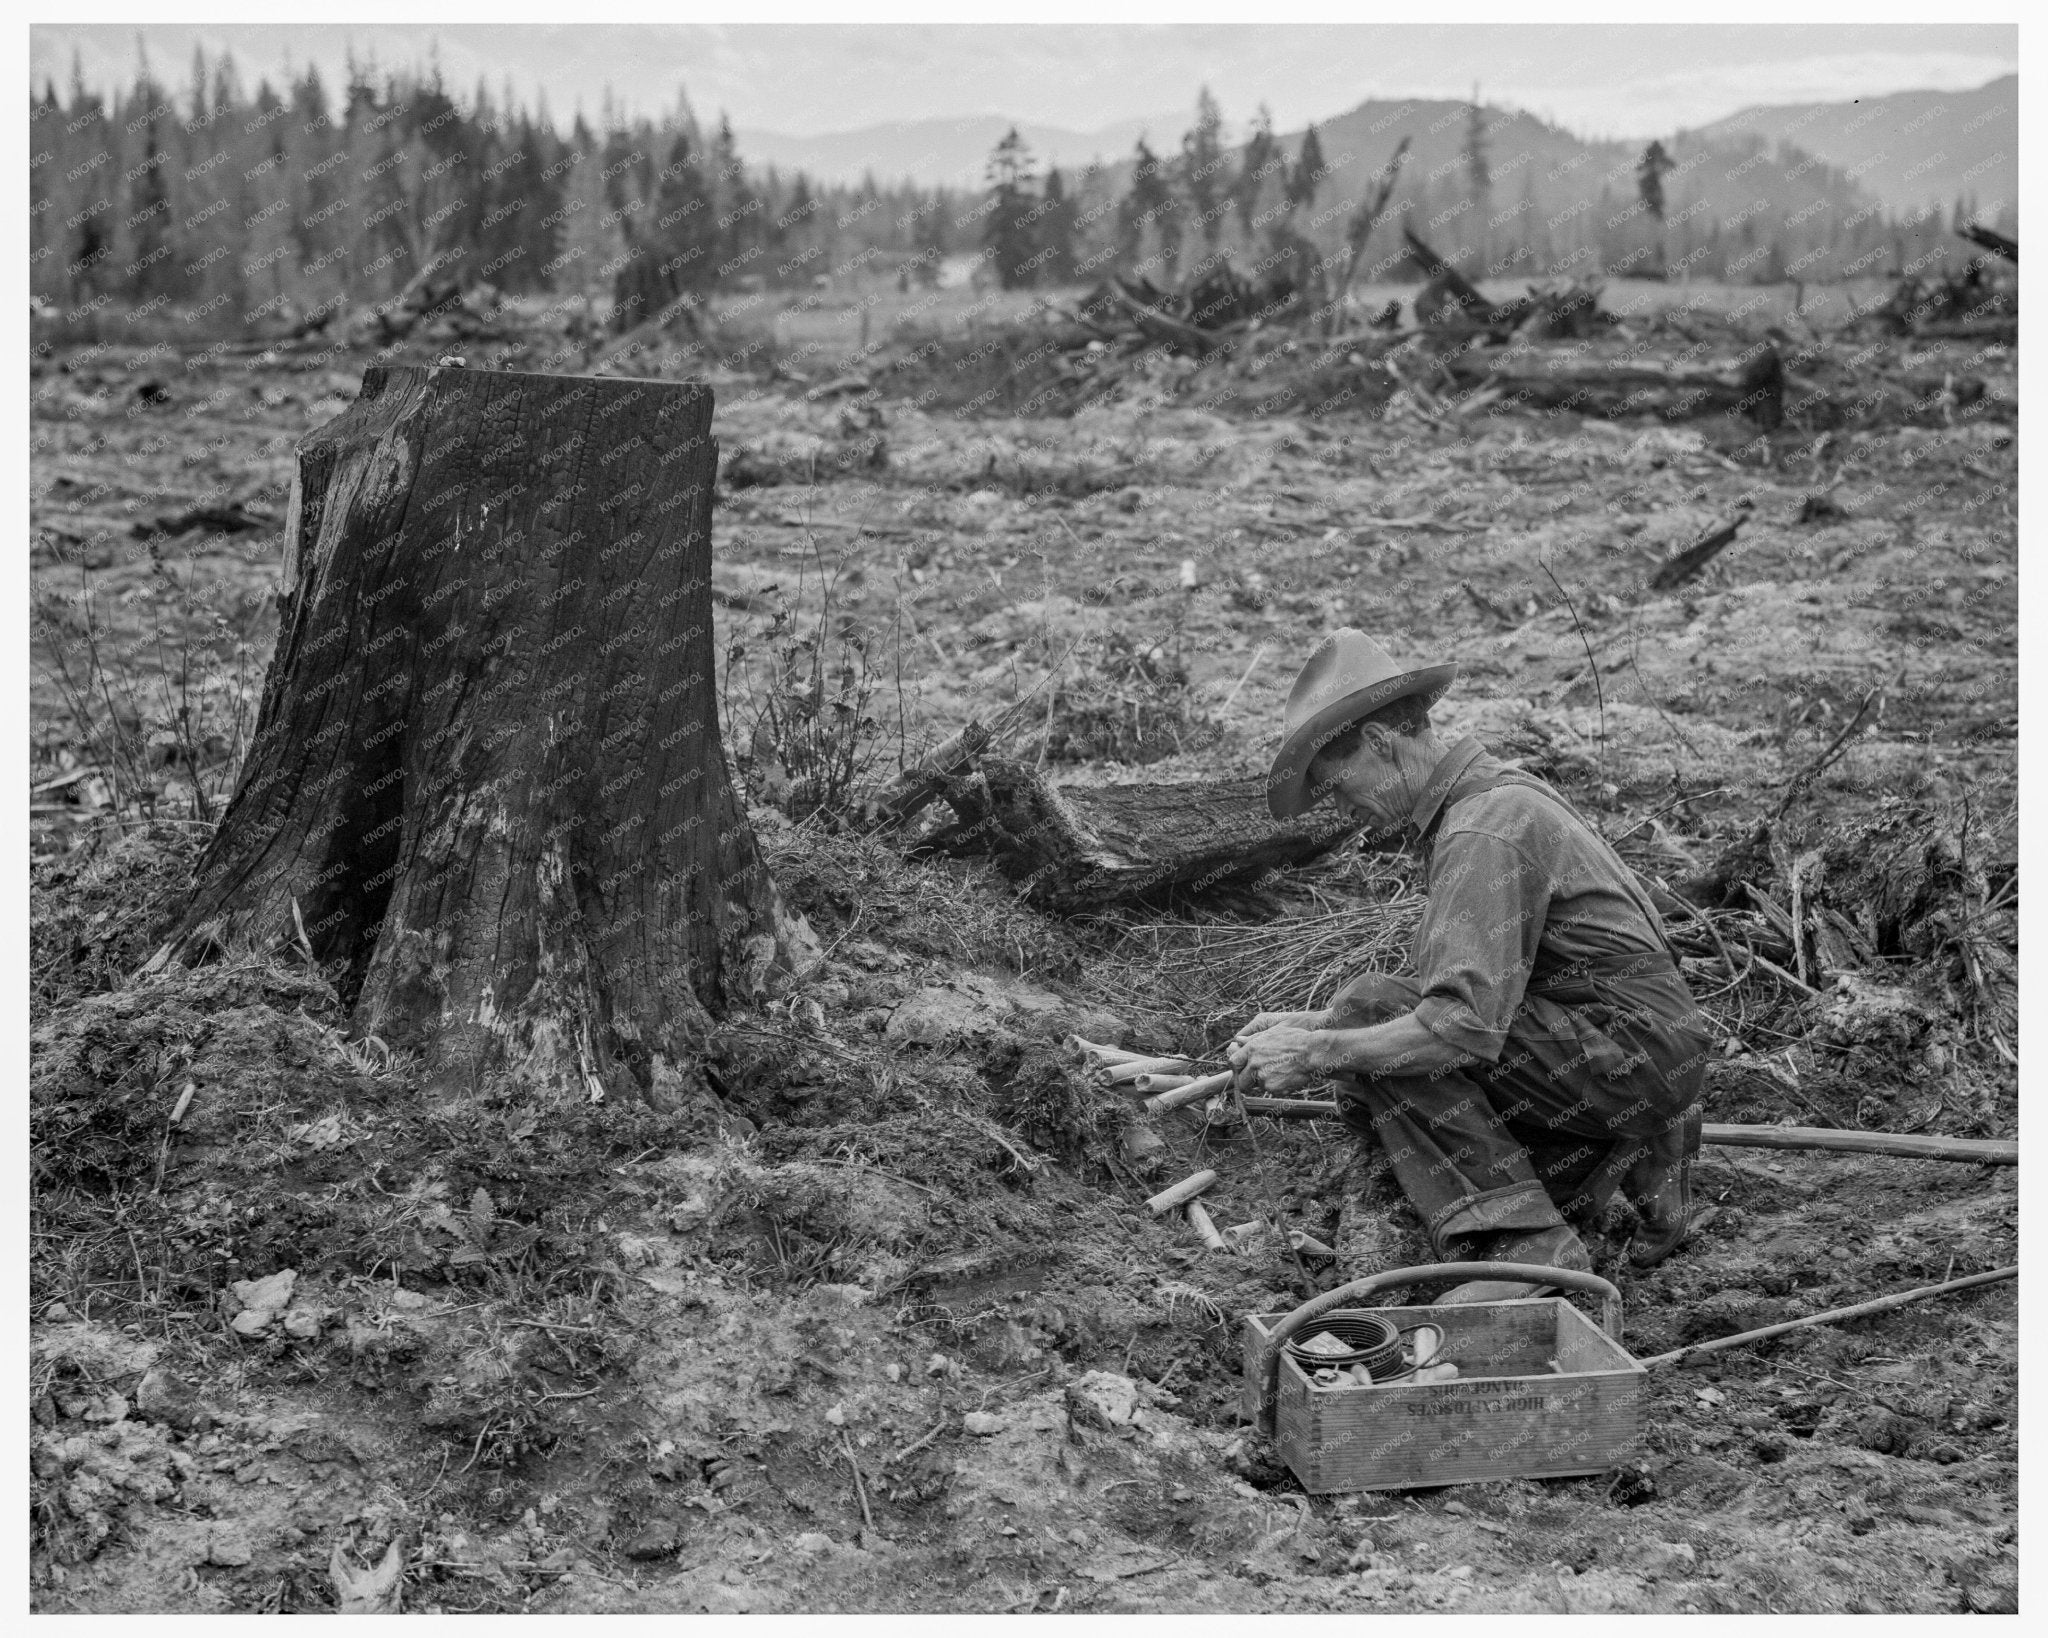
(1229, 346)
(1204, 316)
(1552, 311)
(1980, 303)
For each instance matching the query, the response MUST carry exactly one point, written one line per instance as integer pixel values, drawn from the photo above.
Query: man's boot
(1558, 1247)
(1659, 1186)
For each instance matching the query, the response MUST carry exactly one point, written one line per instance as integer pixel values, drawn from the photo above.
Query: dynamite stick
(1182, 1192)
(1205, 1226)
(1207, 1087)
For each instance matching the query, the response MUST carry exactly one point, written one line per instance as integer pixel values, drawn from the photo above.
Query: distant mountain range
(952, 152)
(1910, 149)
(1901, 152)
(1566, 201)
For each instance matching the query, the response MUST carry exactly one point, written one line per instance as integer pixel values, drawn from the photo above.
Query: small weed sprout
(798, 702)
(160, 690)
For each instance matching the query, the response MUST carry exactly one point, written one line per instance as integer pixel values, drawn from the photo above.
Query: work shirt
(1519, 883)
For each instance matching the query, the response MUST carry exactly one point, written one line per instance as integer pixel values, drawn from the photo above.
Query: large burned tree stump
(486, 788)
(1074, 848)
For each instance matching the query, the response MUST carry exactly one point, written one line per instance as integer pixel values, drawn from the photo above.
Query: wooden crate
(1505, 1416)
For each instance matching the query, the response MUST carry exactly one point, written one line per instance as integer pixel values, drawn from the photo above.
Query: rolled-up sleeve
(1477, 941)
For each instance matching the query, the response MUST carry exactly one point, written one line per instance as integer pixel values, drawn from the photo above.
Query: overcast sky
(1598, 79)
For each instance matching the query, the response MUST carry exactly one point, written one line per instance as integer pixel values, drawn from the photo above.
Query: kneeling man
(1546, 1053)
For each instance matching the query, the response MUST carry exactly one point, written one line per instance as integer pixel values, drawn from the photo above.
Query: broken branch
(1905, 1145)
(1834, 1316)
(1682, 566)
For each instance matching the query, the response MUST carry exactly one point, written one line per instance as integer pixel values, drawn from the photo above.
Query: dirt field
(903, 1335)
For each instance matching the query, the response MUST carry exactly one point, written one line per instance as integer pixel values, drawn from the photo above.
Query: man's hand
(1267, 1020)
(1279, 1057)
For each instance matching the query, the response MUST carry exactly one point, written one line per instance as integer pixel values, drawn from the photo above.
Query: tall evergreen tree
(153, 255)
(931, 242)
(1307, 176)
(1006, 233)
(1534, 250)
(1650, 172)
(45, 136)
(1478, 163)
(1260, 158)
(202, 114)
(1056, 231)
(1202, 168)
(91, 241)
(685, 229)
(739, 207)
(1142, 204)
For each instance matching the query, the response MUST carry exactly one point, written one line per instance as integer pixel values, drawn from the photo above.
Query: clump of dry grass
(1209, 971)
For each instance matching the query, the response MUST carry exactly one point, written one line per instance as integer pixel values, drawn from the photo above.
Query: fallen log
(1995, 327)
(1998, 244)
(1451, 302)
(1922, 398)
(1682, 566)
(226, 518)
(1487, 606)
(1606, 390)
(1074, 848)
(1169, 332)
(912, 789)
(1449, 295)
(909, 792)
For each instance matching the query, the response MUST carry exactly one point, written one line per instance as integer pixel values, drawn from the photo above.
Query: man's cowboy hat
(1349, 676)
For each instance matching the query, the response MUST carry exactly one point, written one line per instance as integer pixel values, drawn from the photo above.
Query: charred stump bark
(1077, 848)
(486, 790)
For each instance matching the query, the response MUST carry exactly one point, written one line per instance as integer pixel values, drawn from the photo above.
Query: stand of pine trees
(1500, 193)
(238, 209)
(241, 210)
